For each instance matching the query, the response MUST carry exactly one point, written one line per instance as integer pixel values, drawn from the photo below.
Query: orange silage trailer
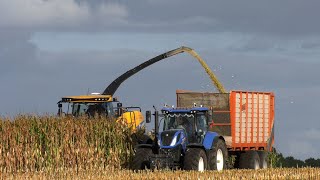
(245, 119)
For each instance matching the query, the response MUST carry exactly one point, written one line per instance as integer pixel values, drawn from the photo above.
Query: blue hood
(172, 138)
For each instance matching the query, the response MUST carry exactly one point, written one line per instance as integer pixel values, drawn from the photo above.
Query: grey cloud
(302, 147)
(56, 15)
(249, 16)
(313, 134)
(260, 44)
(267, 70)
(310, 45)
(16, 53)
(277, 18)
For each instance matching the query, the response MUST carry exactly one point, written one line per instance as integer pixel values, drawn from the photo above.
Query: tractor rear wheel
(141, 159)
(249, 160)
(195, 159)
(263, 159)
(217, 157)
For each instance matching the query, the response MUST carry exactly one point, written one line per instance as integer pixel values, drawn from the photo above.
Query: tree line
(277, 159)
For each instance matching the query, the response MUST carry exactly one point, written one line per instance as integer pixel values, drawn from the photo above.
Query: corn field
(268, 174)
(35, 143)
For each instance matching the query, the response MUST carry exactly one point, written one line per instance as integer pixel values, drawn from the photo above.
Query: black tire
(264, 163)
(141, 159)
(140, 139)
(193, 158)
(249, 160)
(218, 146)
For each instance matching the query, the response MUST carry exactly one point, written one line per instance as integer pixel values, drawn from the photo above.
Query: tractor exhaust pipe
(156, 129)
(156, 122)
(156, 132)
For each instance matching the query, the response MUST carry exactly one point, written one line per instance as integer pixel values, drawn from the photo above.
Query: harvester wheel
(141, 159)
(249, 160)
(195, 159)
(263, 159)
(217, 157)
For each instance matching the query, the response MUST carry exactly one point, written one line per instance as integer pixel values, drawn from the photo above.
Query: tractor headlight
(174, 141)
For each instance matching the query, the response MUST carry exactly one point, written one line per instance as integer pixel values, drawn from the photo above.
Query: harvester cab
(184, 142)
(101, 105)
(87, 104)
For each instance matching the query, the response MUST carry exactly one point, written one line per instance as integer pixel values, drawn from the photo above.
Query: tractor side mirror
(148, 116)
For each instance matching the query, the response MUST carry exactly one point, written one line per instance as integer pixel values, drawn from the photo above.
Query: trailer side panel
(252, 119)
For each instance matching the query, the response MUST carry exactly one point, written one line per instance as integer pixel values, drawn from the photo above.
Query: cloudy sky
(54, 48)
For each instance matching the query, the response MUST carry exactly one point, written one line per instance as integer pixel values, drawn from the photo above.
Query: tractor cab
(192, 121)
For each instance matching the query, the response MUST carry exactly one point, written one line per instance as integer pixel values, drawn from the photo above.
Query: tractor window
(179, 121)
(202, 124)
(169, 123)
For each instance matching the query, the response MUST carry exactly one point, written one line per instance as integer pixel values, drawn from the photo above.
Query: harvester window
(90, 109)
(108, 106)
(96, 108)
(78, 109)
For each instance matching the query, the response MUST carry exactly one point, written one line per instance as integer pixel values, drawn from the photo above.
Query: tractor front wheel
(195, 159)
(141, 159)
(218, 155)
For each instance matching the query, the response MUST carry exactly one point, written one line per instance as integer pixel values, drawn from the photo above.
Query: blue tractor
(183, 142)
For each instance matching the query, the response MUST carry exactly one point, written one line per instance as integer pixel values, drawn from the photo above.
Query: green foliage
(311, 162)
(278, 160)
(231, 161)
(274, 158)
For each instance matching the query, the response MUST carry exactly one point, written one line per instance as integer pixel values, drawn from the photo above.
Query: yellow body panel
(88, 98)
(134, 119)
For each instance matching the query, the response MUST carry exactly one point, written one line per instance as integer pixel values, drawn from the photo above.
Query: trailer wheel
(249, 160)
(217, 157)
(195, 159)
(141, 159)
(263, 159)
